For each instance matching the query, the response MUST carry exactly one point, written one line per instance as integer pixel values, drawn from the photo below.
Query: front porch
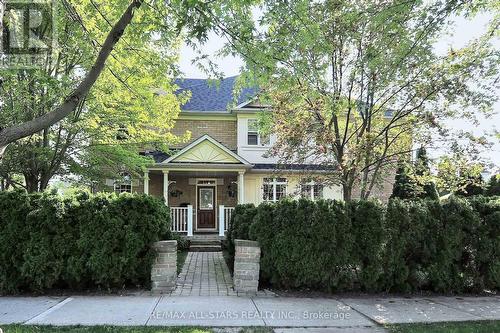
(200, 202)
(201, 183)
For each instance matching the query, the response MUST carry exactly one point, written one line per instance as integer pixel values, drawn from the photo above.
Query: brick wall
(381, 191)
(246, 266)
(189, 192)
(223, 131)
(164, 269)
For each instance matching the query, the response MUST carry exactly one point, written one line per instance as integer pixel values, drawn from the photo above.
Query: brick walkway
(204, 274)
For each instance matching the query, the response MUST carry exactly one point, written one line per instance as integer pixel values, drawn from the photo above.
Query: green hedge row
(84, 241)
(404, 246)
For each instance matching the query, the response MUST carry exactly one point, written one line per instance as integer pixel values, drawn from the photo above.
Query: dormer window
(254, 138)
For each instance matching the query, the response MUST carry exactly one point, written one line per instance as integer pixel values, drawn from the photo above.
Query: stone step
(205, 242)
(205, 248)
(209, 237)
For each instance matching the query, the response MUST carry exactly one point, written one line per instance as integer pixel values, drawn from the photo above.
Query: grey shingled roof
(213, 96)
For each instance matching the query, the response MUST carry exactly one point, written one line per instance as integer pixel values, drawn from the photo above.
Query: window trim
(311, 195)
(117, 186)
(256, 132)
(274, 182)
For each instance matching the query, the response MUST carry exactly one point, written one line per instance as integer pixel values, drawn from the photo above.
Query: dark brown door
(206, 207)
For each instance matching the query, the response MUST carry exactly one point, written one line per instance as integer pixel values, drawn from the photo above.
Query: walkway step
(205, 248)
(205, 242)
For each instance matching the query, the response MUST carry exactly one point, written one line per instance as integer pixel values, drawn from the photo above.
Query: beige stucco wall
(254, 182)
(253, 188)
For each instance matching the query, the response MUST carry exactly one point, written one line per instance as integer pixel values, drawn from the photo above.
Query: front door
(206, 207)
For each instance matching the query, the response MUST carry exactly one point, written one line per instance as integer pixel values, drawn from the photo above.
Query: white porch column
(222, 225)
(146, 182)
(241, 187)
(190, 221)
(165, 186)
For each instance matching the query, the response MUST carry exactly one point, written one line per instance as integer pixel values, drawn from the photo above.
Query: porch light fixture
(231, 191)
(175, 193)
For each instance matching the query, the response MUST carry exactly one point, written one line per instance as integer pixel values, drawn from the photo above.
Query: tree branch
(16, 132)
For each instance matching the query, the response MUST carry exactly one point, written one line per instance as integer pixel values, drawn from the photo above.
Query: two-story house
(223, 164)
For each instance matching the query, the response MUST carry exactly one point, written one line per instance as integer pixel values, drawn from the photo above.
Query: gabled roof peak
(206, 149)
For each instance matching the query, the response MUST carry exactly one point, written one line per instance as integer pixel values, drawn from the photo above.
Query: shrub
(368, 230)
(304, 244)
(493, 186)
(409, 247)
(241, 219)
(14, 207)
(82, 241)
(487, 242)
(405, 246)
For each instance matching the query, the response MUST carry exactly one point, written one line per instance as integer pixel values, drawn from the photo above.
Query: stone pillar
(164, 270)
(165, 186)
(246, 266)
(146, 182)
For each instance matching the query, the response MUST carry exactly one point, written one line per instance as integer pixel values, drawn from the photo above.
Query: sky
(464, 30)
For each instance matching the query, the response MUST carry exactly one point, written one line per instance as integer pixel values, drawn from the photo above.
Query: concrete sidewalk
(346, 314)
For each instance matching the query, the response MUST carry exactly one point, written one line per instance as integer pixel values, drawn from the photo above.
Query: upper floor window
(311, 190)
(124, 184)
(254, 138)
(274, 189)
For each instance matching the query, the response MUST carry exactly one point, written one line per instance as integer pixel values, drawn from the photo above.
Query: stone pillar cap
(166, 245)
(246, 243)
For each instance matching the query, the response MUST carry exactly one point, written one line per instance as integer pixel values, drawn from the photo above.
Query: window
(253, 132)
(253, 137)
(274, 189)
(124, 184)
(311, 190)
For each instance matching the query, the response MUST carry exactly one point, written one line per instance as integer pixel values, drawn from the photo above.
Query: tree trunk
(16, 132)
(2, 10)
(346, 191)
(31, 183)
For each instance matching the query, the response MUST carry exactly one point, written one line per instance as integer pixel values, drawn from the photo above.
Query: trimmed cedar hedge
(84, 241)
(404, 246)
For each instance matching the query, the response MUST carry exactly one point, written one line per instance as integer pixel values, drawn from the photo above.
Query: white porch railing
(225, 214)
(228, 213)
(182, 219)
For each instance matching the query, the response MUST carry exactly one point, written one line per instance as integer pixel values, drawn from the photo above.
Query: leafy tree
(423, 175)
(493, 186)
(131, 105)
(456, 172)
(404, 185)
(353, 84)
(472, 185)
(121, 99)
(12, 131)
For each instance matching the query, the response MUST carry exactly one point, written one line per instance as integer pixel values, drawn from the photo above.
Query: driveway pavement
(342, 314)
